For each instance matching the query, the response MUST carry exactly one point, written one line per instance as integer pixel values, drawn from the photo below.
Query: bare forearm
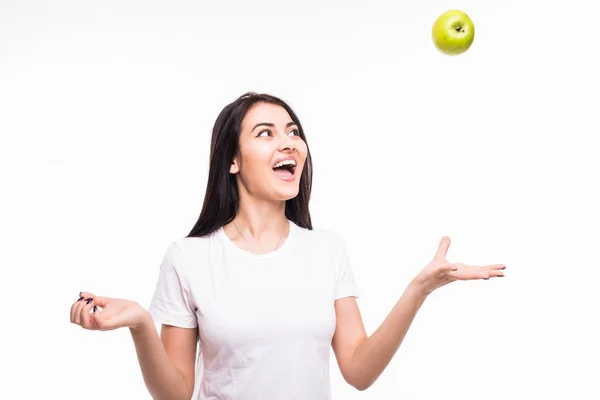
(374, 354)
(163, 380)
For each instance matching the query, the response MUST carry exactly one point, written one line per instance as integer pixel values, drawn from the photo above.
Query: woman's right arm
(167, 362)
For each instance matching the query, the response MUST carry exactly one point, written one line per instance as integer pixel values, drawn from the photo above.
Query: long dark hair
(221, 197)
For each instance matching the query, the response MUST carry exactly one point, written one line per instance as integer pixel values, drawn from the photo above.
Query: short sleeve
(171, 303)
(346, 283)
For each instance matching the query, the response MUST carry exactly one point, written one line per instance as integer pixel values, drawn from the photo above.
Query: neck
(256, 218)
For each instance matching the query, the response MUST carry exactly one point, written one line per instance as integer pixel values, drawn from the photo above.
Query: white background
(106, 109)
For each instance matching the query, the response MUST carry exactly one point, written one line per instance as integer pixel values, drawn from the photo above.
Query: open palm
(440, 272)
(105, 313)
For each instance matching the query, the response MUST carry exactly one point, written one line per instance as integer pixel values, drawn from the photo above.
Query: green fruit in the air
(453, 32)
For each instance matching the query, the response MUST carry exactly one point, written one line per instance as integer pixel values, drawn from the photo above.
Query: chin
(284, 195)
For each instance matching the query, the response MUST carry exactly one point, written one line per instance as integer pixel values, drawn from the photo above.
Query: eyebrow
(272, 125)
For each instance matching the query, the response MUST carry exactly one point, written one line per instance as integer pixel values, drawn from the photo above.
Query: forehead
(265, 112)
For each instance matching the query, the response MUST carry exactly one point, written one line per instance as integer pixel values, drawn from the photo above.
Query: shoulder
(185, 251)
(190, 244)
(322, 237)
(193, 248)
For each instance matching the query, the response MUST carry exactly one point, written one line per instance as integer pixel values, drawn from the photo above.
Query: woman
(259, 292)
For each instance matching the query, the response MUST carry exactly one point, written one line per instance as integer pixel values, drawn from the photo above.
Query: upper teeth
(284, 162)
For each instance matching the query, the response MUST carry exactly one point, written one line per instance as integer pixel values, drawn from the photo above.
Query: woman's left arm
(363, 358)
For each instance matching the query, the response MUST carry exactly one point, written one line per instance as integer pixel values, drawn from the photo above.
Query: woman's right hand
(104, 313)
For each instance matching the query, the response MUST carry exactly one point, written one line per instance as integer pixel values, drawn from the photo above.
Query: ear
(234, 168)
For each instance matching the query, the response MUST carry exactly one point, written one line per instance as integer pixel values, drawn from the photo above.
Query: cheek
(302, 149)
(255, 158)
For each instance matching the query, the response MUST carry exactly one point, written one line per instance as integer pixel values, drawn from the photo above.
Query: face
(272, 154)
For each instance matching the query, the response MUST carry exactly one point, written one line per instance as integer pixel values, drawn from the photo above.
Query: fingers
(74, 308)
(472, 272)
(446, 268)
(442, 249)
(84, 313)
(99, 301)
(496, 273)
(80, 309)
(492, 271)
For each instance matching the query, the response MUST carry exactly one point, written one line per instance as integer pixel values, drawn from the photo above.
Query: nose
(286, 144)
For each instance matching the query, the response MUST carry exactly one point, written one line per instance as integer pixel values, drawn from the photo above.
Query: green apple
(453, 32)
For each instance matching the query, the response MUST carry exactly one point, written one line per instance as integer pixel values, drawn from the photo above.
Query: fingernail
(94, 308)
(88, 300)
(79, 299)
(80, 293)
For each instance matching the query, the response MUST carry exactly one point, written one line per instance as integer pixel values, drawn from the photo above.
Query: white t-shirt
(265, 321)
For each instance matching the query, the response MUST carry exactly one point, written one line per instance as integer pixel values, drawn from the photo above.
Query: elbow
(360, 386)
(360, 383)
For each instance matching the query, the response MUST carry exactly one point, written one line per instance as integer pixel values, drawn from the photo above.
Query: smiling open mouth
(285, 169)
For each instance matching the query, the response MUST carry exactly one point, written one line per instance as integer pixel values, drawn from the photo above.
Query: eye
(295, 131)
(262, 133)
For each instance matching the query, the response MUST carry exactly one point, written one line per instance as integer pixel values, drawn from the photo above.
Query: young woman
(252, 299)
